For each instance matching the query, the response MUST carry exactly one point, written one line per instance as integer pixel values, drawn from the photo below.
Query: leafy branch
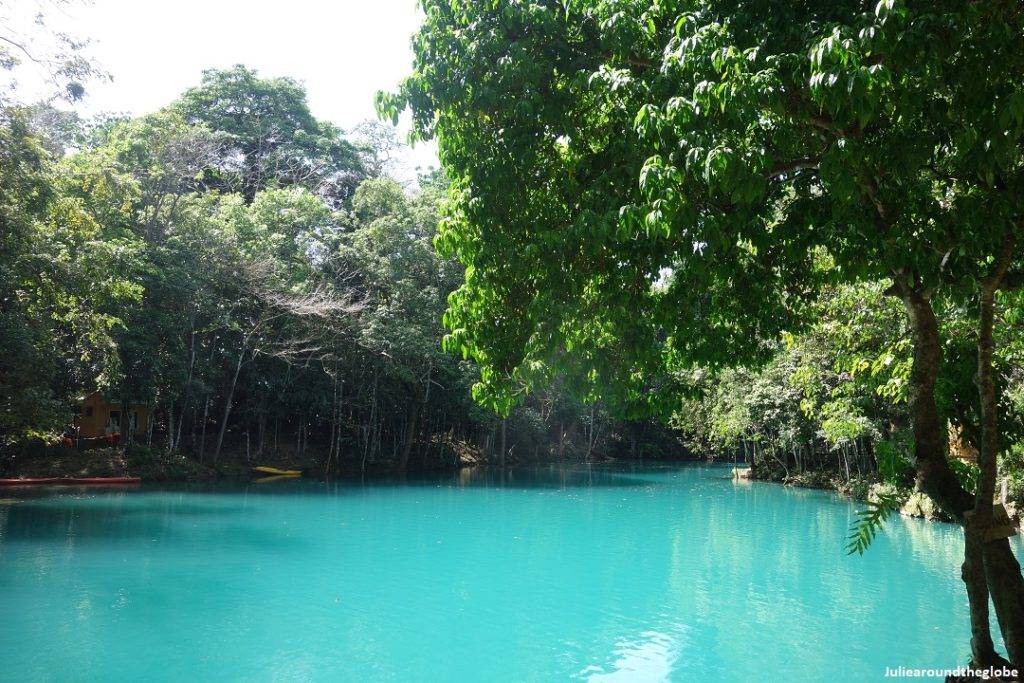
(869, 522)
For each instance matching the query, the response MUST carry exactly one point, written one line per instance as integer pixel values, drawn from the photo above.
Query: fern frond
(869, 522)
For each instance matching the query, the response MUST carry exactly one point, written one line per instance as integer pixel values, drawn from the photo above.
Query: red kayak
(71, 481)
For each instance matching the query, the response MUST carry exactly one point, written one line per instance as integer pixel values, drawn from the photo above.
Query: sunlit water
(551, 574)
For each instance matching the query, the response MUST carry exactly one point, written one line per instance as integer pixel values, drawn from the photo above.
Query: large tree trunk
(983, 651)
(933, 474)
(936, 478)
(988, 399)
(1002, 570)
(974, 572)
(1006, 585)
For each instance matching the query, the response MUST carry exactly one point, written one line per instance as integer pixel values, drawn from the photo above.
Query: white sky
(344, 51)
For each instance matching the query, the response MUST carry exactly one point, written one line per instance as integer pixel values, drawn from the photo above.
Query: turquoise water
(551, 574)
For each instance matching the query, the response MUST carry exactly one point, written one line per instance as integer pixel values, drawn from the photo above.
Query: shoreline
(153, 466)
(150, 467)
(866, 489)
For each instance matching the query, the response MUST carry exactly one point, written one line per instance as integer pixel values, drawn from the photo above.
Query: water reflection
(626, 573)
(648, 656)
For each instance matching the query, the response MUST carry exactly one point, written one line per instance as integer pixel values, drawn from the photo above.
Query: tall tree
(598, 150)
(62, 288)
(270, 136)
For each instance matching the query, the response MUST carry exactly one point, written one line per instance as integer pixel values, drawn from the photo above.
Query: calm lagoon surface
(552, 573)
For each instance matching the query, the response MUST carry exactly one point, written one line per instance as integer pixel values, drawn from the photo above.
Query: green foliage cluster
(232, 262)
(832, 391)
(658, 180)
(57, 286)
(649, 196)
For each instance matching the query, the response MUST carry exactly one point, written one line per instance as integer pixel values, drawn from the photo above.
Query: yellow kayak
(276, 477)
(273, 470)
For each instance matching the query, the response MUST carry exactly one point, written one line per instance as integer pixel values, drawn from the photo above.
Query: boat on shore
(71, 481)
(264, 469)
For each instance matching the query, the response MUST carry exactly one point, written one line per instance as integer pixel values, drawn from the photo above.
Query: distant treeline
(255, 277)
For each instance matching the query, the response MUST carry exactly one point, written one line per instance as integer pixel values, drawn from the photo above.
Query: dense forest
(254, 276)
(260, 280)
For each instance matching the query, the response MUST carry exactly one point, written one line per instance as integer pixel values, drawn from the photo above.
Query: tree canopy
(643, 187)
(675, 166)
(268, 135)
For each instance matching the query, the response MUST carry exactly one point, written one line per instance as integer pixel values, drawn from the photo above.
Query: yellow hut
(97, 417)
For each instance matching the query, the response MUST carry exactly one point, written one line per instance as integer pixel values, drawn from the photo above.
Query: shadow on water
(529, 477)
(554, 476)
(103, 518)
(155, 511)
(68, 518)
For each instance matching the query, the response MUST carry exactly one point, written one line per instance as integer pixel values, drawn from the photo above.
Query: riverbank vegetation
(787, 234)
(833, 397)
(803, 218)
(256, 279)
